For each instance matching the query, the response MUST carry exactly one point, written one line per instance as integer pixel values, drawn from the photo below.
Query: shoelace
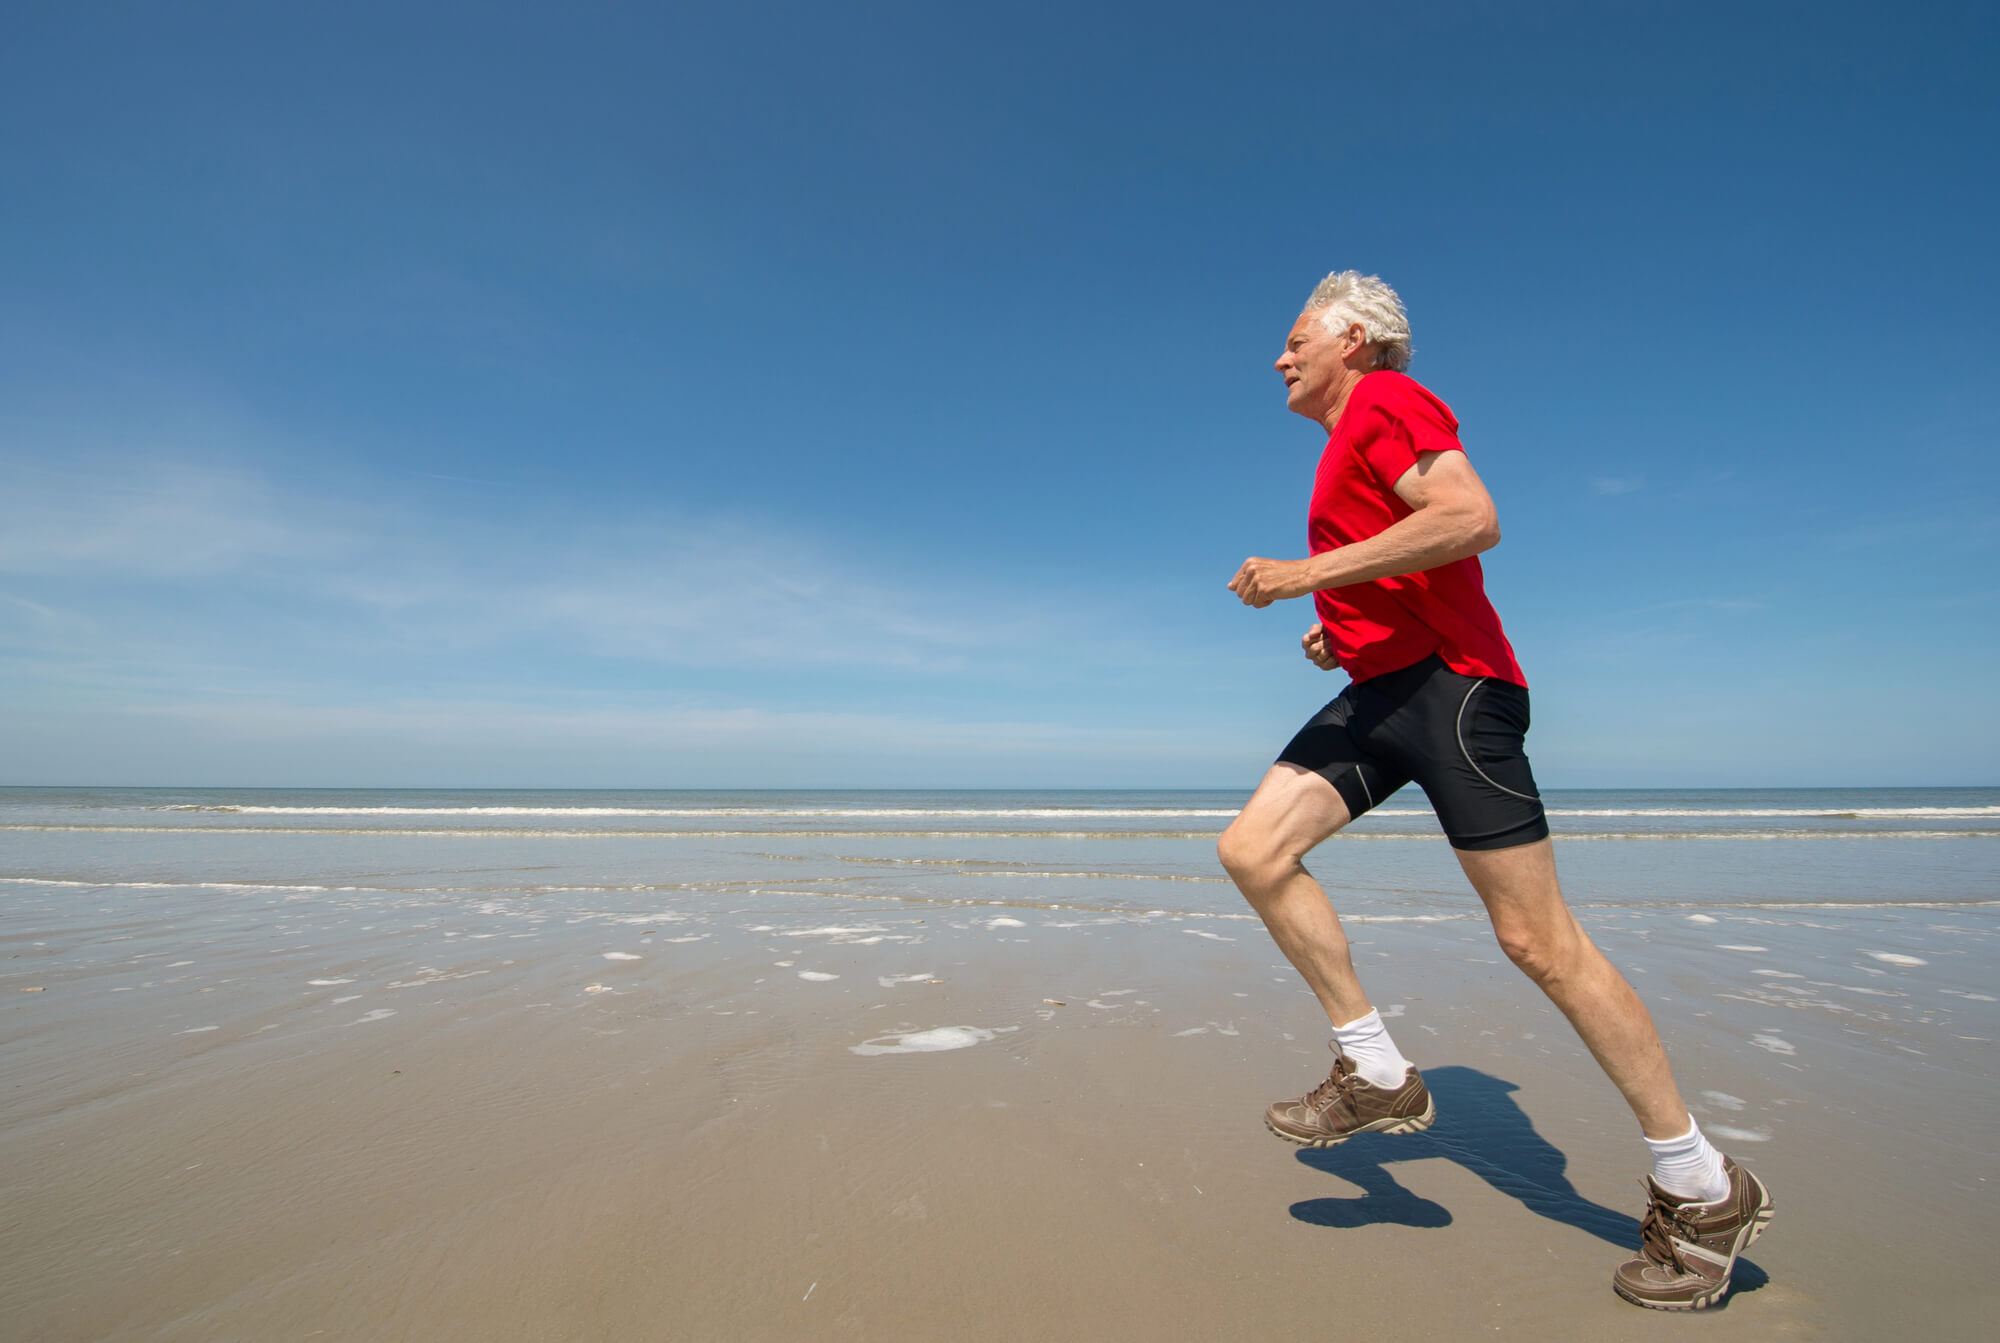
(1658, 1229)
(1339, 1080)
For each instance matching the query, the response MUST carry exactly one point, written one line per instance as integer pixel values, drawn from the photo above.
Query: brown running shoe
(1687, 1249)
(1346, 1104)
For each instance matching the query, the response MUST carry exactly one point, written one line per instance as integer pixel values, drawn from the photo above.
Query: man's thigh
(1293, 809)
(1519, 889)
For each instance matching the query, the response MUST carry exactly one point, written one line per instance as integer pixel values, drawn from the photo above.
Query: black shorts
(1460, 737)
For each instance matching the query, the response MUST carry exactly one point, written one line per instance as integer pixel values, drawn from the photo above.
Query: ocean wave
(1356, 836)
(1050, 813)
(1792, 813)
(1070, 813)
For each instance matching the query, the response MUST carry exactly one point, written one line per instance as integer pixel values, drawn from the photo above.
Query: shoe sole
(1411, 1124)
(1766, 1210)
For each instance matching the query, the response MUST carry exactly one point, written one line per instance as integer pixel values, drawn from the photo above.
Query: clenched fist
(1260, 582)
(1316, 648)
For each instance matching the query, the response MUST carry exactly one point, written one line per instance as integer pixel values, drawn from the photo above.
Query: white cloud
(445, 743)
(141, 520)
(660, 588)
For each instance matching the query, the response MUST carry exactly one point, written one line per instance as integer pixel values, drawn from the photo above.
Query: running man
(1398, 516)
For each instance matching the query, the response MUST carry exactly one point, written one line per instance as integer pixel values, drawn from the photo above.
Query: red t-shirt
(1386, 624)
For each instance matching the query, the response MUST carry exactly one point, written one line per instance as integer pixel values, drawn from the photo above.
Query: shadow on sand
(1481, 1128)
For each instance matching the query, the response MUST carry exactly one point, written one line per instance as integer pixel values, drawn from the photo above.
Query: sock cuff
(1691, 1140)
(1370, 1022)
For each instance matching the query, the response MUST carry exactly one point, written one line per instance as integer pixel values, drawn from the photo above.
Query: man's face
(1312, 366)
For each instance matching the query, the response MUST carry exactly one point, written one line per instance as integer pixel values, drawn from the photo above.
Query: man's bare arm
(1453, 517)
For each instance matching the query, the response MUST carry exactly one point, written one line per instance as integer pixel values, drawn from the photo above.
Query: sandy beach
(734, 1114)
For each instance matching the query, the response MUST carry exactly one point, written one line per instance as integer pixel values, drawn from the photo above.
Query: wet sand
(729, 1127)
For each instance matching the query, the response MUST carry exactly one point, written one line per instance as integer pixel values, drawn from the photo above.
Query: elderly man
(1397, 518)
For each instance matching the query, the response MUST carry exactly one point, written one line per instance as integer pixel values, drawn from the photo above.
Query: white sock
(1689, 1167)
(1370, 1051)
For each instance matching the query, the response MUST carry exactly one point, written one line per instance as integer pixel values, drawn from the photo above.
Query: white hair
(1347, 297)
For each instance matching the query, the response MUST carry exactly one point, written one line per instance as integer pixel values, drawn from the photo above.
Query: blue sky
(880, 395)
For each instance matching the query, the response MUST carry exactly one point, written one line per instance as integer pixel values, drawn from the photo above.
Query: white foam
(327, 983)
(837, 932)
(1004, 922)
(1700, 918)
(1973, 997)
(1738, 946)
(1775, 1044)
(1722, 1100)
(350, 998)
(891, 981)
(1213, 937)
(817, 976)
(1192, 1030)
(1728, 1134)
(377, 1015)
(1058, 813)
(1895, 958)
(1777, 974)
(924, 1042)
(1776, 813)
(197, 1030)
(620, 956)
(1048, 813)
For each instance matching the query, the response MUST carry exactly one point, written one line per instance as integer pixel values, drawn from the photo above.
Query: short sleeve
(1400, 425)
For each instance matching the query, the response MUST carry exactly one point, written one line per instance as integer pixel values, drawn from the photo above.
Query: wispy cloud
(650, 586)
(135, 520)
(603, 743)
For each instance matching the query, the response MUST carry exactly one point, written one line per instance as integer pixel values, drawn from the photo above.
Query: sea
(196, 898)
(1125, 852)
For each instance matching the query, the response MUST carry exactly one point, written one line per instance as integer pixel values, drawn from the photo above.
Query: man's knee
(1545, 955)
(1254, 861)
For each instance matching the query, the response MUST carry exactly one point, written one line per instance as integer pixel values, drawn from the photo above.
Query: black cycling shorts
(1460, 737)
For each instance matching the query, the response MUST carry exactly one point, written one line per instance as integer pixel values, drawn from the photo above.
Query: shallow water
(1129, 851)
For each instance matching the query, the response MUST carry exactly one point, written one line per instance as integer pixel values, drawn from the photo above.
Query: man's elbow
(1482, 531)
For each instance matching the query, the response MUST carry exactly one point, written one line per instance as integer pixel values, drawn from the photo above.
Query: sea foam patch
(817, 976)
(1895, 958)
(1729, 1134)
(934, 1041)
(620, 956)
